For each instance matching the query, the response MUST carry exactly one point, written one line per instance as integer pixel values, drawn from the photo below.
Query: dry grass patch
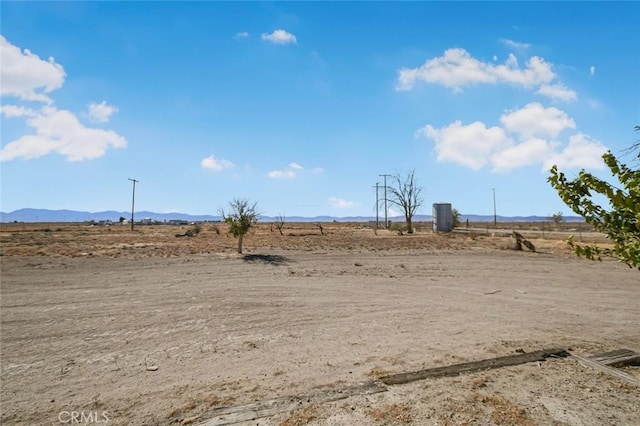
(392, 413)
(377, 372)
(503, 411)
(480, 408)
(198, 404)
(302, 416)
(75, 240)
(187, 407)
(479, 382)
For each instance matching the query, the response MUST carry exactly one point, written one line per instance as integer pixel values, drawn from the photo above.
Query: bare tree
(406, 194)
(557, 218)
(279, 221)
(241, 218)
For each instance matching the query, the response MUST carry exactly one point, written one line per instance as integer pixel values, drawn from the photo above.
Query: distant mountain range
(44, 215)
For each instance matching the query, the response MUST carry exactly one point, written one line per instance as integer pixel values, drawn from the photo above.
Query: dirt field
(145, 328)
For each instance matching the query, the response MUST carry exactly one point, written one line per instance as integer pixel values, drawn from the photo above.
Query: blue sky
(301, 106)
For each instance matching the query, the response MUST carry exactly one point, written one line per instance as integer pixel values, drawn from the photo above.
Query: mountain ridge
(64, 215)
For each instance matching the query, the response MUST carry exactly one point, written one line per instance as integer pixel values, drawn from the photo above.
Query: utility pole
(377, 205)
(386, 221)
(495, 216)
(133, 200)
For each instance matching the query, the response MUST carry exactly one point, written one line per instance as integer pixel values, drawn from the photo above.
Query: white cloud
(59, 131)
(295, 166)
(592, 70)
(317, 170)
(515, 44)
(11, 111)
(27, 77)
(214, 164)
(290, 171)
(391, 212)
(281, 174)
(241, 35)
(528, 137)
(495, 58)
(341, 203)
(582, 151)
(280, 37)
(56, 131)
(536, 120)
(529, 152)
(101, 112)
(557, 92)
(457, 69)
(472, 145)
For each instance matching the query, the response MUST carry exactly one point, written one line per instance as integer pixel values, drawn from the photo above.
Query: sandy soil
(163, 330)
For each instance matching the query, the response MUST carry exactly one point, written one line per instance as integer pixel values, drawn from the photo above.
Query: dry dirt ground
(143, 328)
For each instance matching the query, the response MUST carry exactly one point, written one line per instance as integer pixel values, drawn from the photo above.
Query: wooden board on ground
(270, 407)
(617, 358)
(471, 367)
(606, 369)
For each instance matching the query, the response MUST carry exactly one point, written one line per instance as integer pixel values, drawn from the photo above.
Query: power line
(133, 200)
(386, 221)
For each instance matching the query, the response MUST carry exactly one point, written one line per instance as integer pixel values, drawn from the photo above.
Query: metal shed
(442, 218)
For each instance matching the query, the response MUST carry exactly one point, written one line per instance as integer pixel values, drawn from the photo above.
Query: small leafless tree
(319, 225)
(407, 195)
(279, 221)
(557, 218)
(241, 218)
